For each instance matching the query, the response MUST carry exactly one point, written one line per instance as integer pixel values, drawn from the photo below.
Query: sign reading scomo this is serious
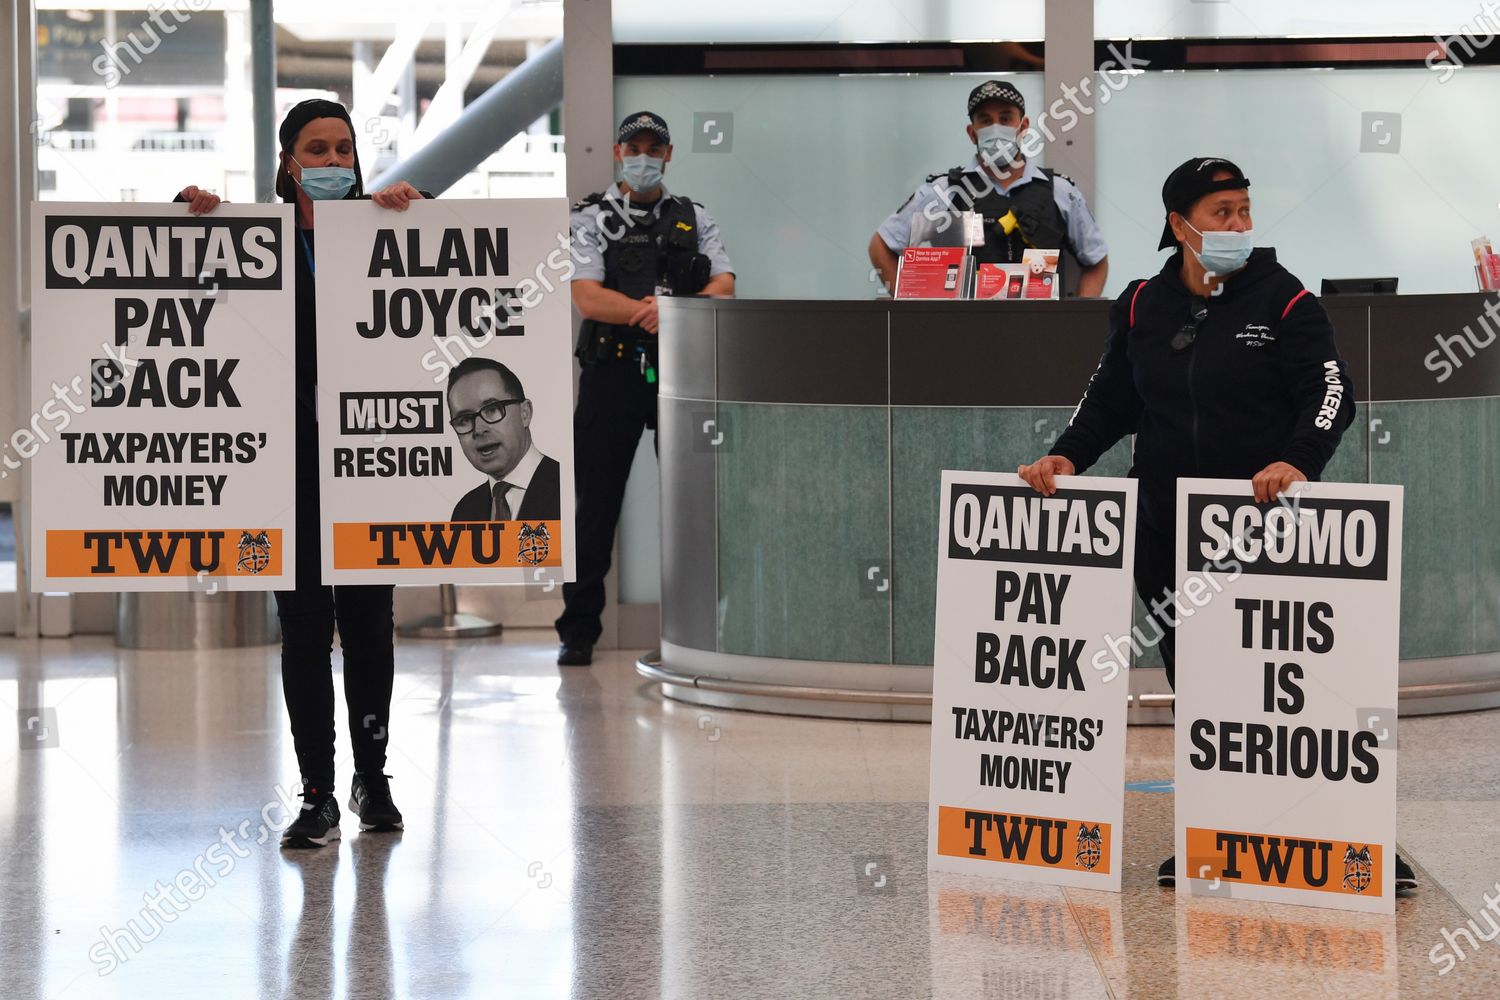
(162, 361)
(1286, 694)
(1028, 733)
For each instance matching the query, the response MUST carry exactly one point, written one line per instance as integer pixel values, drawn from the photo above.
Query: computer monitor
(1359, 286)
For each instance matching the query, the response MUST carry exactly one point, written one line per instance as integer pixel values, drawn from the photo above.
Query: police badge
(255, 553)
(533, 544)
(1357, 869)
(1090, 847)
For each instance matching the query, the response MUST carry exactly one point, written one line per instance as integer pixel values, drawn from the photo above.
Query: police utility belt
(650, 256)
(602, 343)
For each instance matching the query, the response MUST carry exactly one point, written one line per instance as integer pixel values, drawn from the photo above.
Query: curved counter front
(801, 444)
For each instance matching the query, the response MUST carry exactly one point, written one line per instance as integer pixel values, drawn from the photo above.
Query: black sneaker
(575, 654)
(1405, 877)
(1166, 875)
(370, 800)
(316, 825)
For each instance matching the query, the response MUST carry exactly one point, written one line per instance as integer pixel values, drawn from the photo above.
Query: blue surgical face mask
(1224, 251)
(997, 143)
(642, 173)
(325, 183)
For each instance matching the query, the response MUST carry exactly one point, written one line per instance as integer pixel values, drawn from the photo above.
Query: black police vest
(646, 248)
(1040, 222)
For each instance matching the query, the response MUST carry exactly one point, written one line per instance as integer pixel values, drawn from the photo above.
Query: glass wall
(806, 168)
(1353, 173)
(1279, 18)
(131, 107)
(827, 20)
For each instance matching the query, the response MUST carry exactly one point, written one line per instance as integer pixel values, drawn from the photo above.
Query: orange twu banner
(1285, 862)
(1023, 840)
(446, 544)
(221, 552)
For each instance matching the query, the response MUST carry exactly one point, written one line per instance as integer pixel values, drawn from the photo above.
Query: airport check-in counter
(801, 444)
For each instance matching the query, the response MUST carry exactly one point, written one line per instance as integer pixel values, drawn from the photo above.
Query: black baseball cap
(1191, 181)
(995, 90)
(305, 112)
(644, 121)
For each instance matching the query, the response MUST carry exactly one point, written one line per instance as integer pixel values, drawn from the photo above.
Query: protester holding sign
(1222, 365)
(319, 162)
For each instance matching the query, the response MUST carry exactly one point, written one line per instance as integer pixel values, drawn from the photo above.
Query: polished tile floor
(574, 835)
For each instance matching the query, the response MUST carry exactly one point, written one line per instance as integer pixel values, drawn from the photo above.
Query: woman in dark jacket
(319, 162)
(1223, 366)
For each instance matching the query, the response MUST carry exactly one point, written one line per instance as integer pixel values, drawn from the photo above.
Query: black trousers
(366, 627)
(1155, 580)
(615, 404)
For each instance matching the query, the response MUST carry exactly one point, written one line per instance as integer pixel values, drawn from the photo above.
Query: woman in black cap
(318, 163)
(1203, 398)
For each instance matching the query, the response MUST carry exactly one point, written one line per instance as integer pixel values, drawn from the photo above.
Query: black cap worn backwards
(305, 112)
(644, 121)
(1192, 181)
(995, 90)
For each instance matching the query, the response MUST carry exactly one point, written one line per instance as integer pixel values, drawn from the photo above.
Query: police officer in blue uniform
(631, 245)
(1021, 205)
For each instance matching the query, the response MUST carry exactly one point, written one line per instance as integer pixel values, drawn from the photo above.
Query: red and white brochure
(931, 273)
(1041, 273)
(999, 281)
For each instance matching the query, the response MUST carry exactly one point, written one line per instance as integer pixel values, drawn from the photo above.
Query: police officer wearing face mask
(1022, 205)
(631, 244)
(1223, 366)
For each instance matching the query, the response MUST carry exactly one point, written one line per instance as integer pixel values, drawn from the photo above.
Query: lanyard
(311, 268)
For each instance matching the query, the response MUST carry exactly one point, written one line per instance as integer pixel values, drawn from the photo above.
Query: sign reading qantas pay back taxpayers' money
(1028, 730)
(445, 392)
(161, 365)
(1286, 694)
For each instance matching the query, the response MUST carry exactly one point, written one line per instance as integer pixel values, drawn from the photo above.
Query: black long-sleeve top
(1262, 382)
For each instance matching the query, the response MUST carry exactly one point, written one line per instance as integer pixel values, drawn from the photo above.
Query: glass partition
(806, 167)
(1279, 18)
(1354, 173)
(827, 21)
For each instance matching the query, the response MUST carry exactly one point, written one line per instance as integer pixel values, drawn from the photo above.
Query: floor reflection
(992, 938)
(1282, 950)
(309, 951)
(571, 834)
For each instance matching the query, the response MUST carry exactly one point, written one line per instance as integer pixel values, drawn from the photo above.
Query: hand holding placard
(1028, 776)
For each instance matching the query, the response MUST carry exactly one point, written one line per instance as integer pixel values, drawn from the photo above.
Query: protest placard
(1028, 733)
(445, 401)
(161, 369)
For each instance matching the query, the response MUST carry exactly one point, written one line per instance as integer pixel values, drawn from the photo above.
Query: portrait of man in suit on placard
(489, 411)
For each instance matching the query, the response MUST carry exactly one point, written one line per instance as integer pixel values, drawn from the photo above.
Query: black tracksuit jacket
(1262, 382)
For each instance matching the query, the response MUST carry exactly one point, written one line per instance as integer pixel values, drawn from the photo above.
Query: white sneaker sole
(381, 828)
(385, 828)
(309, 842)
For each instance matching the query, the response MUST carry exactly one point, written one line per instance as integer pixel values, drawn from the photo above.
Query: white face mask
(643, 173)
(1224, 251)
(998, 144)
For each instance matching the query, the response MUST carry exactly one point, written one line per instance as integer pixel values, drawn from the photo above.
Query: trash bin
(196, 621)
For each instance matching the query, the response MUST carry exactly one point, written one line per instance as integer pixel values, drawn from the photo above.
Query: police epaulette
(953, 175)
(592, 199)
